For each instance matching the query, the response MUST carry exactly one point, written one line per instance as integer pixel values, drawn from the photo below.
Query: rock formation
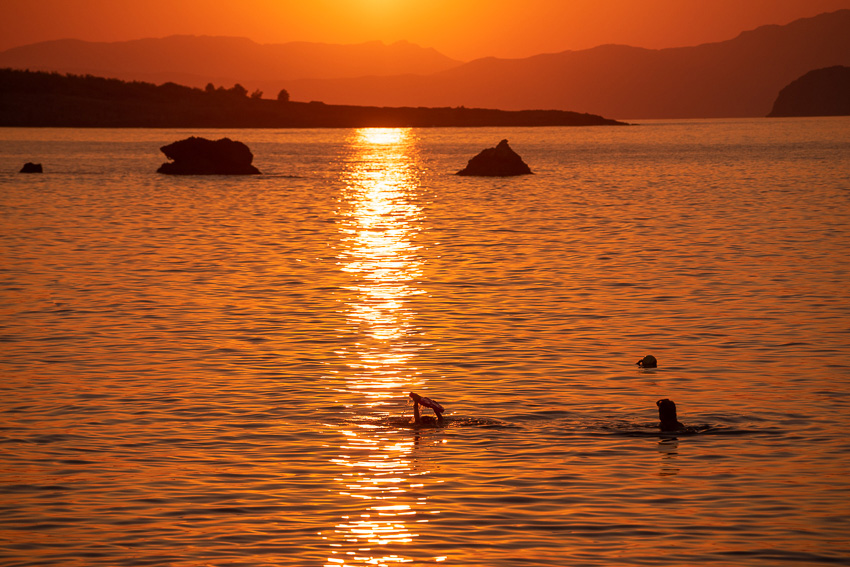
(822, 92)
(30, 167)
(199, 156)
(500, 161)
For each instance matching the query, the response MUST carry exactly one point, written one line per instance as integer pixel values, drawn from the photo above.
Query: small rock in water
(199, 156)
(30, 167)
(500, 161)
(647, 361)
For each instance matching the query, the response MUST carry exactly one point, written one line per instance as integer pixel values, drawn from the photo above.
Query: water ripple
(210, 371)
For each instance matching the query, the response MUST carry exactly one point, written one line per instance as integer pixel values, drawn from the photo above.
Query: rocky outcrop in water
(30, 167)
(500, 161)
(822, 92)
(199, 156)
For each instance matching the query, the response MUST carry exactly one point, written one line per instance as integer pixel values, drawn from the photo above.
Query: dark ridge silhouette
(30, 167)
(199, 156)
(29, 99)
(739, 77)
(822, 92)
(500, 161)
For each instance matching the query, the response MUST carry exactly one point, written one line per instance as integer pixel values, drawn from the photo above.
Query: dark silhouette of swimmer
(667, 415)
(426, 402)
(647, 361)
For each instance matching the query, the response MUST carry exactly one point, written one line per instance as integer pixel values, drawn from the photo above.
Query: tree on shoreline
(238, 90)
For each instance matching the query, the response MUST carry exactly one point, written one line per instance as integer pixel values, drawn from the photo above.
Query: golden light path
(379, 471)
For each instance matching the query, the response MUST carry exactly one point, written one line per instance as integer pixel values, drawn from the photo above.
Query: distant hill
(30, 98)
(822, 92)
(739, 77)
(196, 61)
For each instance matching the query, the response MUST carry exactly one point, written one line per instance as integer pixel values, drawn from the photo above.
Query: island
(36, 99)
(822, 92)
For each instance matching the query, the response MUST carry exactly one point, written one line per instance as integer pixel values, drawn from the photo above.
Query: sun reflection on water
(379, 220)
(378, 232)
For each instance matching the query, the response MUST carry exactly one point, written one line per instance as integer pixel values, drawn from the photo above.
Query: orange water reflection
(379, 222)
(379, 218)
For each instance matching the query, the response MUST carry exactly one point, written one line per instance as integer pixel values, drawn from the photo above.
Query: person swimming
(429, 403)
(667, 415)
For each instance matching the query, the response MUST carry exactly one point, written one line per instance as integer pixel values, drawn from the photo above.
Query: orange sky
(464, 29)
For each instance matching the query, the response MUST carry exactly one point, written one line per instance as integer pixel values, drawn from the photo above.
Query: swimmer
(667, 415)
(647, 361)
(427, 402)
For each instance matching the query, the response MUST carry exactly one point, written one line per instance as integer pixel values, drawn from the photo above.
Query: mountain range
(735, 78)
(198, 60)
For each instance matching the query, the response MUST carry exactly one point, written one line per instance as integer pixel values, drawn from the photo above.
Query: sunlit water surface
(213, 371)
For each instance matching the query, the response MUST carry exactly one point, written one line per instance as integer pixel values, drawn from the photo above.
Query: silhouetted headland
(500, 161)
(199, 156)
(33, 99)
(822, 92)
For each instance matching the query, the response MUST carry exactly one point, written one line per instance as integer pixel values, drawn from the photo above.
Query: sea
(214, 371)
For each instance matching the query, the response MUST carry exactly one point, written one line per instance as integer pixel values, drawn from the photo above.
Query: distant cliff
(30, 99)
(822, 92)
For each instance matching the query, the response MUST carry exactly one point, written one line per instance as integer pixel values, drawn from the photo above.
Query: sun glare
(383, 136)
(379, 220)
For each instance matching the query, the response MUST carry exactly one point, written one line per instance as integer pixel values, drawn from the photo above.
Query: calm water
(212, 371)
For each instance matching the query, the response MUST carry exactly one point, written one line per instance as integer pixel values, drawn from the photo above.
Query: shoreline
(31, 99)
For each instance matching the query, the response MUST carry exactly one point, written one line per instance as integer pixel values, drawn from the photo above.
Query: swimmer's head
(666, 409)
(429, 421)
(667, 415)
